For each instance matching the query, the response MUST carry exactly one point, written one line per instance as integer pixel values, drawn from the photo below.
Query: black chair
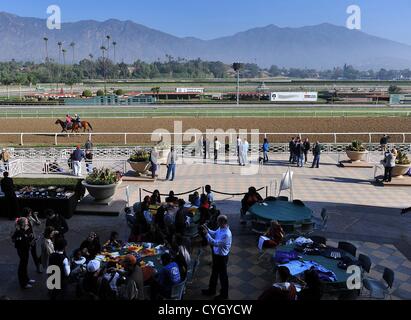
(307, 227)
(348, 247)
(319, 240)
(268, 199)
(380, 288)
(299, 203)
(282, 198)
(364, 262)
(324, 219)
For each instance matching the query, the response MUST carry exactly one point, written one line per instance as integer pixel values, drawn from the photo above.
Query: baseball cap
(93, 266)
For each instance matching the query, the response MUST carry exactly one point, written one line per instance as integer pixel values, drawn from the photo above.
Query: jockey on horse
(77, 121)
(69, 122)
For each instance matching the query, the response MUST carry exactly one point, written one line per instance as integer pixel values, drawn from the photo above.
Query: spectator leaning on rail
(316, 154)
(266, 149)
(5, 157)
(76, 157)
(384, 142)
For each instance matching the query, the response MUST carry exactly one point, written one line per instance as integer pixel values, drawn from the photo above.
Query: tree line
(25, 73)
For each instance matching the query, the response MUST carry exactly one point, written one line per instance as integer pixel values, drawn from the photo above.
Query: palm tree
(47, 50)
(60, 44)
(72, 45)
(64, 55)
(108, 45)
(114, 50)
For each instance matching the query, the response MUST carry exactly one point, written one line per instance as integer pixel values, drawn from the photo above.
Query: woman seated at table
(275, 235)
(171, 197)
(250, 198)
(91, 246)
(282, 290)
(155, 198)
(113, 242)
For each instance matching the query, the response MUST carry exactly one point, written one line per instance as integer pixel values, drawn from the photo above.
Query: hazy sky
(208, 19)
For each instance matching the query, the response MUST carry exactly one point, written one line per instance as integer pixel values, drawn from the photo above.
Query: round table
(284, 212)
(328, 263)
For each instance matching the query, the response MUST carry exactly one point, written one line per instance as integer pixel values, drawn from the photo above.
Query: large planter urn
(140, 167)
(400, 170)
(356, 156)
(101, 192)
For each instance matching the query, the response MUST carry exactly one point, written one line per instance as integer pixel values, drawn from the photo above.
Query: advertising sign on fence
(294, 96)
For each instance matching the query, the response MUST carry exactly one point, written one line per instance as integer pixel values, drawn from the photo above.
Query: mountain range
(321, 46)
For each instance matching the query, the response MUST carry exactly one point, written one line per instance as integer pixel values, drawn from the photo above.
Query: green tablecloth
(330, 264)
(283, 211)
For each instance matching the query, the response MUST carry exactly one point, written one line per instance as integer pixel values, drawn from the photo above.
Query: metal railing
(209, 113)
(333, 137)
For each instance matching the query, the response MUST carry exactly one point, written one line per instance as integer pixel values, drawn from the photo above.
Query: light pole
(237, 66)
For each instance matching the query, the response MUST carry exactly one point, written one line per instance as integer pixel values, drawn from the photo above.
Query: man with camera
(220, 241)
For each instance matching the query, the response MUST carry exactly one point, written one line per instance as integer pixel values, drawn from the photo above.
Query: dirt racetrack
(148, 125)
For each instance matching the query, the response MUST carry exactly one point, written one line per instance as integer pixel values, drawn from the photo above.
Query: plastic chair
(299, 203)
(364, 262)
(379, 289)
(348, 247)
(177, 291)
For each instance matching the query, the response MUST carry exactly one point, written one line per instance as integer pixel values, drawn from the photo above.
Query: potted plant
(140, 161)
(402, 165)
(102, 183)
(356, 151)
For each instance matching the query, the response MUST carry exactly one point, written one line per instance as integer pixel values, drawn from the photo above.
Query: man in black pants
(11, 204)
(22, 239)
(220, 241)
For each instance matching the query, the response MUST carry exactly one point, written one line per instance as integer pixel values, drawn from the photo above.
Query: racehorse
(75, 127)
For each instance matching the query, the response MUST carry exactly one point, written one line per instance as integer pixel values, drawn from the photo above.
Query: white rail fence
(331, 137)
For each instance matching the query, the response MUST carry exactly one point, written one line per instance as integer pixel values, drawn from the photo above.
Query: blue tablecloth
(282, 211)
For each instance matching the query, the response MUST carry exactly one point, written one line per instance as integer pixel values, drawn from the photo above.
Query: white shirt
(217, 145)
(172, 157)
(221, 240)
(66, 264)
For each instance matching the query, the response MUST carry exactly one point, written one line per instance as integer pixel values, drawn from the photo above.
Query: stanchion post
(140, 194)
(266, 191)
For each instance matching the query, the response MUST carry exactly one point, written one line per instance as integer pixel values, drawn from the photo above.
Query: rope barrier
(176, 194)
(235, 194)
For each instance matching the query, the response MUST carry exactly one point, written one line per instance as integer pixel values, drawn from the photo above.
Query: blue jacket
(266, 146)
(78, 155)
(169, 276)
